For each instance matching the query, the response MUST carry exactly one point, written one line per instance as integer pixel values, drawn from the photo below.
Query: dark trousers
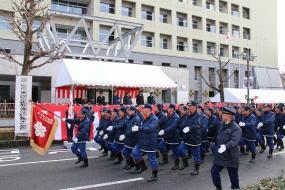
(69, 132)
(233, 174)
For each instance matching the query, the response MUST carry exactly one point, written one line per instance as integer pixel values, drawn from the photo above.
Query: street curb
(19, 143)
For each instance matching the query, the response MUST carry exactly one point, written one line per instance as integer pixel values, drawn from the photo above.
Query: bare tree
(221, 78)
(22, 25)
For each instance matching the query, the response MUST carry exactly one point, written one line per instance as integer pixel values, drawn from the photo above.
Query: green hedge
(268, 184)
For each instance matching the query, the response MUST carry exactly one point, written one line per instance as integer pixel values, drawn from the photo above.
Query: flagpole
(46, 110)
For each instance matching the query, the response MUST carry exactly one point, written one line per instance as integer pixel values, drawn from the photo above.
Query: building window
(223, 28)
(163, 43)
(197, 46)
(182, 66)
(211, 25)
(211, 48)
(224, 50)
(223, 7)
(126, 11)
(212, 75)
(181, 44)
(246, 13)
(104, 32)
(196, 22)
(197, 71)
(197, 3)
(211, 94)
(236, 79)
(70, 7)
(235, 31)
(246, 33)
(4, 24)
(166, 64)
(196, 96)
(235, 52)
(181, 19)
(235, 10)
(107, 7)
(130, 61)
(147, 13)
(163, 18)
(147, 41)
(147, 62)
(210, 4)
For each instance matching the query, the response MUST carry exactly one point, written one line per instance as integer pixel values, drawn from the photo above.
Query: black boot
(218, 188)
(252, 158)
(79, 158)
(176, 165)
(202, 158)
(281, 145)
(142, 167)
(263, 148)
(85, 164)
(185, 163)
(242, 150)
(154, 176)
(138, 166)
(270, 153)
(157, 155)
(164, 159)
(112, 156)
(127, 164)
(120, 159)
(196, 169)
(131, 164)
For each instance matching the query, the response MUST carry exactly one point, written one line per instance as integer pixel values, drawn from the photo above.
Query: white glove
(242, 124)
(135, 128)
(161, 133)
(75, 140)
(101, 133)
(222, 149)
(186, 130)
(283, 127)
(105, 137)
(260, 124)
(110, 128)
(122, 137)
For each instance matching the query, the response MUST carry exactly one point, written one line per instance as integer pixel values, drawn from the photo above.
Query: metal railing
(7, 110)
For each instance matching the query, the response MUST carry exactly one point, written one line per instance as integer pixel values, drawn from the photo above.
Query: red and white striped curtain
(122, 91)
(64, 92)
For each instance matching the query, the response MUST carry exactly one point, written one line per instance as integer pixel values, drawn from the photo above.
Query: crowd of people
(128, 133)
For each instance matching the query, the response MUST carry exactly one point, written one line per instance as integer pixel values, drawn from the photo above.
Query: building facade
(183, 34)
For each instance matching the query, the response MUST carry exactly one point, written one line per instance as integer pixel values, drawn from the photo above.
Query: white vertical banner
(22, 105)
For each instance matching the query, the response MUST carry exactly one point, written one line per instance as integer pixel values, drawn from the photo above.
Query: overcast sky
(281, 34)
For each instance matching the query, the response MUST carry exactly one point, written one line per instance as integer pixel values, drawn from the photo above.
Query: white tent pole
(71, 95)
(112, 95)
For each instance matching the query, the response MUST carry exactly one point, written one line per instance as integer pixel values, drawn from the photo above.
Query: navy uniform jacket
(120, 128)
(238, 117)
(171, 131)
(258, 120)
(267, 119)
(214, 125)
(204, 126)
(193, 137)
(112, 134)
(140, 100)
(229, 135)
(148, 132)
(279, 117)
(132, 137)
(162, 121)
(151, 100)
(83, 128)
(249, 130)
(182, 123)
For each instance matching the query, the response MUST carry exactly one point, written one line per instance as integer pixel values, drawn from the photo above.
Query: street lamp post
(248, 57)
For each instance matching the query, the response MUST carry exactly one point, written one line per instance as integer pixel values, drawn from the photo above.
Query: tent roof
(234, 95)
(100, 73)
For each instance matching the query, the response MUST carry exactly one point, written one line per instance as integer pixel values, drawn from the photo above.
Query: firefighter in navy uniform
(192, 135)
(79, 142)
(147, 142)
(159, 113)
(130, 137)
(279, 123)
(266, 126)
(119, 129)
(247, 124)
(228, 154)
(170, 136)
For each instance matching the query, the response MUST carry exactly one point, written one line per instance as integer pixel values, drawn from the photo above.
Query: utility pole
(248, 57)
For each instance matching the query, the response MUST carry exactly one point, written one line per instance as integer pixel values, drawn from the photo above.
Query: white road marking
(12, 151)
(68, 150)
(105, 184)
(43, 161)
(282, 152)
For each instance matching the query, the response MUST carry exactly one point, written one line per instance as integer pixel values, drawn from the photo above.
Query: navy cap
(209, 109)
(183, 107)
(229, 110)
(172, 106)
(159, 107)
(104, 109)
(192, 103)
(148, 106)
(132, 108)
(267, 105)
(246, 108)
(123, 109)
(115, 110)
(83, 111)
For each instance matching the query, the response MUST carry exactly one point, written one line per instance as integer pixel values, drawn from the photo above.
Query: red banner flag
(43, 128)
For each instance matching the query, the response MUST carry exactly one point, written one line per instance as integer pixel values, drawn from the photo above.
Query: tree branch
(208, 83)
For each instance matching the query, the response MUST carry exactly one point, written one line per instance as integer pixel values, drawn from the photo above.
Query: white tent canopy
(234, 95)
(100, 73)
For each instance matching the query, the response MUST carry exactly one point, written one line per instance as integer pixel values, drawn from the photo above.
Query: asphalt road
(22, 169)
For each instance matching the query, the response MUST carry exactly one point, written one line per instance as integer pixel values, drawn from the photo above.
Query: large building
(179, 35)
